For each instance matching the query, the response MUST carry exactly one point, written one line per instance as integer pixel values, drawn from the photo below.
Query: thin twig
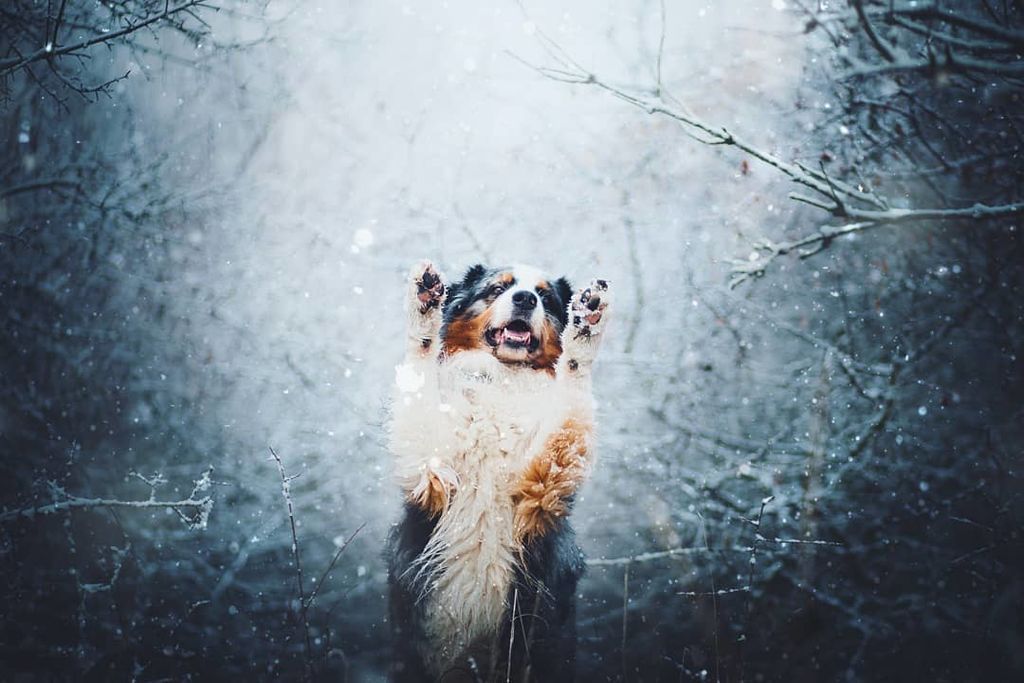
(625, 616)
(883, 48)
(714, 601)
(79, 503)
(748, 607)
(337, 555)
(511, 635)
(660, 555)
(286, 492)
(201, 505)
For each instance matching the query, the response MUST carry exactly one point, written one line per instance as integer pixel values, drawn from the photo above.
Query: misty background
(205, 224)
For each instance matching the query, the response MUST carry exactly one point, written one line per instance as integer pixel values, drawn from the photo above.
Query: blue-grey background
(225, 272)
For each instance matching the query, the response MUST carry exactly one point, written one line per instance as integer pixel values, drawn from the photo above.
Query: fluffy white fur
(475, 423)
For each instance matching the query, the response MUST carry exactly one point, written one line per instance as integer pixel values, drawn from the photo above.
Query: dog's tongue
(519, 336)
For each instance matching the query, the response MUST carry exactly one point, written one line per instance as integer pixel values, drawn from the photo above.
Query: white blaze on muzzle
(515, 326)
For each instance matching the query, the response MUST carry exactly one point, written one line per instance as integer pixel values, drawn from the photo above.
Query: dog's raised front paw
(586, 310)
(425, 298)
(588, 315)
(426, 287)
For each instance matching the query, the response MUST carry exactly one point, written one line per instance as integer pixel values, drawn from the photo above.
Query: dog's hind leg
(418, 437)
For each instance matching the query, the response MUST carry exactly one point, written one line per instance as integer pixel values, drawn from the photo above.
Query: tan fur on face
(550, 348)
(466, 334)
(550, 479)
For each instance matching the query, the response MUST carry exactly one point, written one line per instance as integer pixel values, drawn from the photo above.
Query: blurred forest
(811, 406)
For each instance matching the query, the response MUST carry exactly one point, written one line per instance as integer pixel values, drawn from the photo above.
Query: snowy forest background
(810, 405)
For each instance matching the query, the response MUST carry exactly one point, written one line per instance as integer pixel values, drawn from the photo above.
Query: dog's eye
(495, 290)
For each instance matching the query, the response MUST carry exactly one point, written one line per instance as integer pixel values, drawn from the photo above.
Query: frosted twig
(766, 251)
(680, 552)
(798, 541)
(834, 193)
(717, 135)
(199, 505)
(74, 503)
(660, 555)
(286, 492)
(748, 606)
(715, 593)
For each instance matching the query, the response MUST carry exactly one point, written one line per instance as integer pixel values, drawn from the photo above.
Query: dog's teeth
(517, 336)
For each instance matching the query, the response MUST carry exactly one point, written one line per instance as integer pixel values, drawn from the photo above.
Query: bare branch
(286, 492)
(661, 555)
(952, 63)
(334, 560)
(34, 185)
(883, 48)
(767, 251)
(200, 505)
(83, 503)
(933, 11)
(51, 51)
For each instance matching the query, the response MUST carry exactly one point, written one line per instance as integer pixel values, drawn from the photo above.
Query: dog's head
(516, 313)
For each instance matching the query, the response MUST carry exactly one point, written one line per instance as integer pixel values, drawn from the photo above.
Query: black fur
(544, 592)
(563, 292)
(476, 282)
(461, 294)
(405, 542)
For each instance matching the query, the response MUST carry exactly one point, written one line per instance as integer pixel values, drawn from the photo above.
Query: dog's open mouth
(517, 334)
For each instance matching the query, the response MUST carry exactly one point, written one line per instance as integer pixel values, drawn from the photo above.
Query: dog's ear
(460, 294)
(564, 291)
(473, 275)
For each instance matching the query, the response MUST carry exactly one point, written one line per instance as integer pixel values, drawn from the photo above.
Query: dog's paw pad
(428, 286)
(587, 309)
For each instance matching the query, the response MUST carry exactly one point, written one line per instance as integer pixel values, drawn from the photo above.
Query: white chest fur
(479, 421)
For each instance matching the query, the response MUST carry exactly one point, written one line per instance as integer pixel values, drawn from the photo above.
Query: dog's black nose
(525, 299)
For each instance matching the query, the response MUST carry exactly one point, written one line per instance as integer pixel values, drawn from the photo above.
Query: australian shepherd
(491, 435)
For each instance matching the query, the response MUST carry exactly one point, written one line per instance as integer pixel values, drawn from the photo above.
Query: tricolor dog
(491, 436)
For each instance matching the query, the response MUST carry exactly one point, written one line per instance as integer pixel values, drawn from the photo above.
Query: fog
(811, 476)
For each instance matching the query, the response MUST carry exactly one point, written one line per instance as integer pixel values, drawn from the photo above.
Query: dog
(491, 436)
